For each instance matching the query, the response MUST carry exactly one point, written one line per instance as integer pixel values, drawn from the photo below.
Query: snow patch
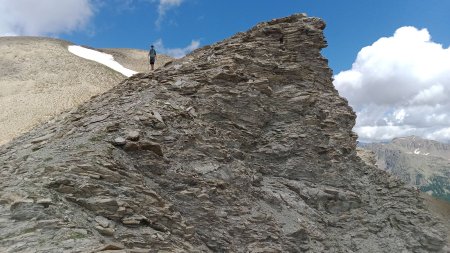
(105, 59)
(417, 151)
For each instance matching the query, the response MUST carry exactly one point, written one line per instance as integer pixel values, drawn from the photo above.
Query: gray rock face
(244, 146)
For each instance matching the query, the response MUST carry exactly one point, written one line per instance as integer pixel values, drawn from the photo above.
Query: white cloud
(43, 17)
(163, 7)
(176, 52)
(124, 5)
(400, 85)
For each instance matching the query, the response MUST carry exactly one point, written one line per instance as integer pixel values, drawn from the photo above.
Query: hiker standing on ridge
(152, 56)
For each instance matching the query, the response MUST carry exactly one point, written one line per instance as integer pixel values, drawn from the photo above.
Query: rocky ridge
(241, 146)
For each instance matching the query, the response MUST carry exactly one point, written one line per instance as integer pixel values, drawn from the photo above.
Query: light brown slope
(135, 59)
(40, 78)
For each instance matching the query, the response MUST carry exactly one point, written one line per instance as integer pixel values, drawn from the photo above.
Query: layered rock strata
(241, 146)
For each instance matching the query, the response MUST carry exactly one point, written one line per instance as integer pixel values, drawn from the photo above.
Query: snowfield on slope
(105, 59)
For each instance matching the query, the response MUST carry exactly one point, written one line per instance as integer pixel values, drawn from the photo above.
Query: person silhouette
(152, 56)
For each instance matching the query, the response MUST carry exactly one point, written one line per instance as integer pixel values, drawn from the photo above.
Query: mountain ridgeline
(40, 78)
(416, 161)
(241, 146)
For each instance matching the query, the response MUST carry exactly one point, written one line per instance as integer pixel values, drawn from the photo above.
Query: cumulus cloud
(176, 52)
(400, 85)
(43, 17)
(163, 7)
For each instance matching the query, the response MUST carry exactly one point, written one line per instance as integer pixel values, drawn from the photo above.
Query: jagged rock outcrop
(241, 146)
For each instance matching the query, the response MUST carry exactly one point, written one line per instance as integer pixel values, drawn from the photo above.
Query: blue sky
(390, 58)
(351, 24)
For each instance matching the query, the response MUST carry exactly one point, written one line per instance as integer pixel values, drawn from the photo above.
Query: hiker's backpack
(152, 53)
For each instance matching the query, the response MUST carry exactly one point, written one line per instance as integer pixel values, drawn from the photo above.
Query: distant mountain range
(419, 162)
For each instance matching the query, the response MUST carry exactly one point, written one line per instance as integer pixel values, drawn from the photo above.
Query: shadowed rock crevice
(241, 146)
